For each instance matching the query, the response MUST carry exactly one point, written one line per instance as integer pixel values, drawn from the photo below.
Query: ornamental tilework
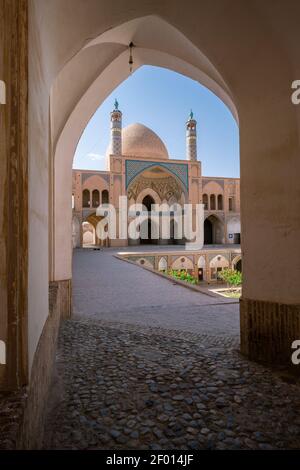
(136, 259)
(211, 256)
(135, 167)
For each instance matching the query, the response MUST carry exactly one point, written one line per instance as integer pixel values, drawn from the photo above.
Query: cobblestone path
(126, 385)
(128, 388)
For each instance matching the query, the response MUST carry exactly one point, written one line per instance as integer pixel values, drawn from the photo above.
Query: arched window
(162, 265)
(105, 198)
(220, 202)
(205, 202)
(86, 198)
(230, 204)
(96, 198)
(212, 202)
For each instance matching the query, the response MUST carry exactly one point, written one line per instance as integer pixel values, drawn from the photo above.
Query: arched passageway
(59, 108)
(208, 232)
(209, 76)
(157, 186)
(88, 234)
(107, 80)
(147, 233)
(238, 266)
(216, 265)
(148, 202)
(213, 231)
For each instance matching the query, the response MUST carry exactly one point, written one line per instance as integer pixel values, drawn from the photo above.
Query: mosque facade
(139, 167)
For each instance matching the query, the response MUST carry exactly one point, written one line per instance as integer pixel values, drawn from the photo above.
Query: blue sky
(162, 100)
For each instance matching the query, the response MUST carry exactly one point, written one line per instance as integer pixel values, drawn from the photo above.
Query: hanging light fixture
(131, 46)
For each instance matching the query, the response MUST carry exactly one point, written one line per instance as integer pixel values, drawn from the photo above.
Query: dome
(140, 141)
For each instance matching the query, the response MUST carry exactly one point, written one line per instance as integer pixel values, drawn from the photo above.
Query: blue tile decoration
(135, 167)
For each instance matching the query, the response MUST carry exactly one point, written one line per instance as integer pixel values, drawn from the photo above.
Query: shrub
(183, 275)
(232, 277)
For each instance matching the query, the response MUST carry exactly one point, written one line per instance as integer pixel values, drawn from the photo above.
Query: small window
(230, 204)
(205, 202)
(105, 197)
(86, 198)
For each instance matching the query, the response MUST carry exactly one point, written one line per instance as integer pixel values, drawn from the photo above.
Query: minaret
(116, 130)
(191, 138)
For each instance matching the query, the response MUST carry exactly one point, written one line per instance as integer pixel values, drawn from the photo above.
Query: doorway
(208, 232)
(146, 226)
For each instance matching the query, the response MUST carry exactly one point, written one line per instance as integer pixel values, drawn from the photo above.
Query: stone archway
(263, 133)
(147, 192)
(73, 123)
(148, 202)
(147, 233)
(182, 262)
(213, 231)
(163, 264)
(237, 263)
(208, 232)
(167, 191)
(93, 219)
(70, 123)
(265, 138)
(88, 234)
(160, 183)
(217, 264)
(201, 265)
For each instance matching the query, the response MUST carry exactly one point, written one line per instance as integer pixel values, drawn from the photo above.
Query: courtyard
(148, 364)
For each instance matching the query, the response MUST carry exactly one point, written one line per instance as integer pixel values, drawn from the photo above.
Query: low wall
(31, 435)
(185, 259)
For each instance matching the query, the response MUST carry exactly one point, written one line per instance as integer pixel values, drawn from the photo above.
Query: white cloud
(95, 156)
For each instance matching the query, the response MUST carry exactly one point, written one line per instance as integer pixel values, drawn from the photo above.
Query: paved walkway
(110, 289)
(145, 364)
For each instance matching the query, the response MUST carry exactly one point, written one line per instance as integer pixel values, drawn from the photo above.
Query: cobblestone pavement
(11, 414)
(126, 387)
(156, 366)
